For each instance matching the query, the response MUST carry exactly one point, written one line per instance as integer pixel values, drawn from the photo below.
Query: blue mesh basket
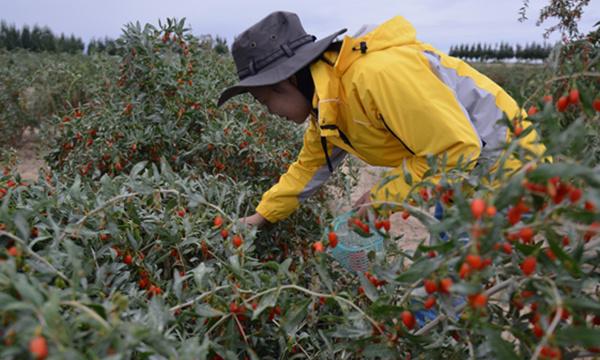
(352, 249)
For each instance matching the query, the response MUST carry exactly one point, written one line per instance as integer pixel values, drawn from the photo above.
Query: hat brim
(281, 70)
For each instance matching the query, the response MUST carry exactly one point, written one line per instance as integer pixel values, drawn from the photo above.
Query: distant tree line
(37, 39)
(218, 44)
(501, 51)
(43, 39)
(107, 45)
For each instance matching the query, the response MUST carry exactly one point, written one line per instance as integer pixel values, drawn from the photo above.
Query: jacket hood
(395, 32)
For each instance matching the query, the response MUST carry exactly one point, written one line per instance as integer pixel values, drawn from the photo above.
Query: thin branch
(217, 208)
(307, 291)
(113, 201)
(198, 298)
(471, 349)
(218, 323)
(555, 79)
(409, 291)
(34, 254)
(240, 328)
(295, 342)
(98, 209)
(88, 311)
(554, 323)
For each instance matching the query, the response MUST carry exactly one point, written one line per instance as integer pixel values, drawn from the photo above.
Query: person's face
(283, 99)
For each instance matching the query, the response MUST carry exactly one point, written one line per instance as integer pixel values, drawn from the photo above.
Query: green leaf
(18, 306)
(569, 263)
(351, 332)
(266, 301)
(464, 288)
(284, 268)
(292, 319)
(28, 292)
(206, 310)
(583, 303)
(384, 310)
(442, 247)
(178, 284)
(386, 180)
(137, 168)
(200, 273)
(510, 193)
(578, 335)
(379, 351)
(407, 175)
(419, 270)
(5, 300)
(234, 262)
(586, 100)
(252, 354)
(22, 225)
(75, 190)
(370, 290)
(501, 348)
(324, 276)
(99, 309)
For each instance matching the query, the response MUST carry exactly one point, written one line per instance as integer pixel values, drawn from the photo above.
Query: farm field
(127, 244)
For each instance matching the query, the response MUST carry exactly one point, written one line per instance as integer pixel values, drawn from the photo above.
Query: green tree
(47, 40)
(11, 37)
(26, 37)
(36, 39)
(221, 45)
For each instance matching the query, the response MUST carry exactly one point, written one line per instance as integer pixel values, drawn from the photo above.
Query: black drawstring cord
(324, 145)
(345, 139)
(342, 135)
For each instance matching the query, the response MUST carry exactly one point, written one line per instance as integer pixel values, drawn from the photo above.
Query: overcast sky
(439, 22)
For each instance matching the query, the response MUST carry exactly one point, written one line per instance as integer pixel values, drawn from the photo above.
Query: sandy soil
(29, 157)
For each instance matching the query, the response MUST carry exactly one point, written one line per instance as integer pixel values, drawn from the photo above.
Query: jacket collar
(326, 99)
(327, 72)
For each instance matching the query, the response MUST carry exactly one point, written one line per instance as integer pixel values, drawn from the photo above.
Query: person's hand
(362, 204)
(254, 220)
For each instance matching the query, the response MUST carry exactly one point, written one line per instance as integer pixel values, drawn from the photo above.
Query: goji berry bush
(130, 248)
(163, 106)
(36, 87)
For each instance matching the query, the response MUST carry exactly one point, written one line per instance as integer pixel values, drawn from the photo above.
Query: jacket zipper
(396, 136)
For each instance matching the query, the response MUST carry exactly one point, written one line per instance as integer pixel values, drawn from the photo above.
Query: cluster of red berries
(479, 208)
(564, 101)
(473, 262)
(442, 286)
(236, 240)
(556, 189)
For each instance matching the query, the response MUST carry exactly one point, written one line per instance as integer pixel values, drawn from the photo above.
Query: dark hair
(305, 83)
(334, 46)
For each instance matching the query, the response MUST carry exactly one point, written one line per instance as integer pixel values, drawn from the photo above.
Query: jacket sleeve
(421, 112)
(302, 179)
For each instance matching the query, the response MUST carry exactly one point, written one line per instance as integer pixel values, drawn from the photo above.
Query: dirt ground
(29, 157)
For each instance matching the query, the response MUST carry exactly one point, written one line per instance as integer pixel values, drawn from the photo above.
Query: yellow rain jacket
(391, 101)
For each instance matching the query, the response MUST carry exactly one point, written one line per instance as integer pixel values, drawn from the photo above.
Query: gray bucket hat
(272, 50)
